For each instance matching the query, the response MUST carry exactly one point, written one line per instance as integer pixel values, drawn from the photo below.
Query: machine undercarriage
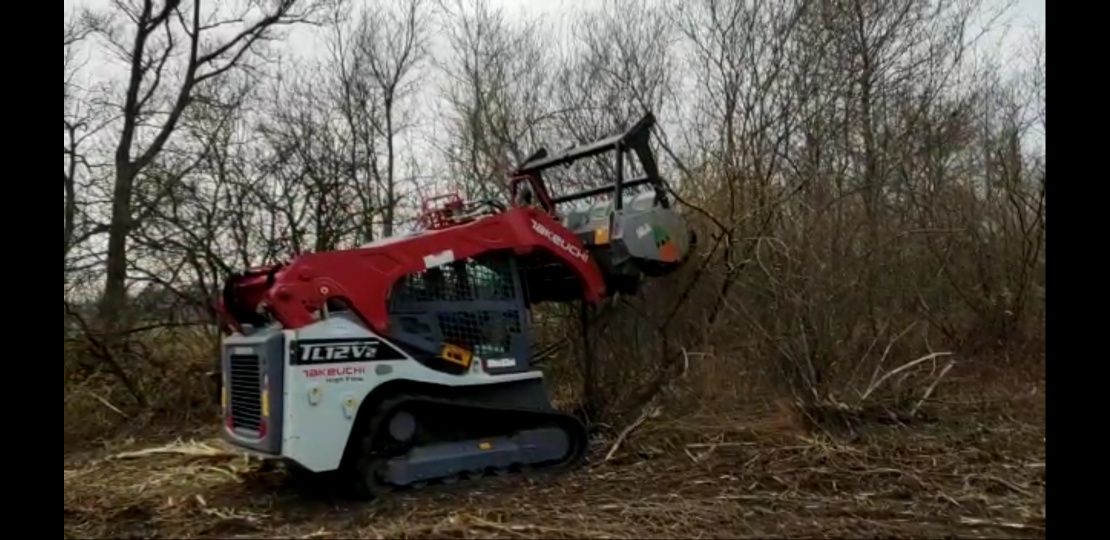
(417, 439)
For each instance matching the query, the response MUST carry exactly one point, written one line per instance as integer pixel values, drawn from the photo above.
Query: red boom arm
(363, 277)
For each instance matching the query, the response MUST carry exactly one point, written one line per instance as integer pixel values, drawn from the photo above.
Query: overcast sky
(1025, 15)
(1008, 42)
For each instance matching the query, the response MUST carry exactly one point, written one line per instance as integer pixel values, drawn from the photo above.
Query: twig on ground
(192, 448)
(1016, 488)
(253, 518)
(649, 412)
(721, 444)
(932, 386)
(522, 529)
(690, 455)
(886, 352)
(107, 404)
(875, 385)
(1002, 524)
(230, 474)
(949, 499)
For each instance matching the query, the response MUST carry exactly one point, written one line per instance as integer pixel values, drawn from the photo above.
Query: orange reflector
(601, 236)
(266, 396)
(485, 445)
(456, 355)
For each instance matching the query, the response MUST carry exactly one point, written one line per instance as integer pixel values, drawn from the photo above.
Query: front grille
(245, 378)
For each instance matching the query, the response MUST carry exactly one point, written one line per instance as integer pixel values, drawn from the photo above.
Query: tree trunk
(390, 199)
(115, 285)
(70, 217)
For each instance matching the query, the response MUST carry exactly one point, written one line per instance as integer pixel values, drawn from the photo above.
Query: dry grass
(977, 471)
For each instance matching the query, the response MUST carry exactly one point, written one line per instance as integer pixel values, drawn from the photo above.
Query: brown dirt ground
(977, 470)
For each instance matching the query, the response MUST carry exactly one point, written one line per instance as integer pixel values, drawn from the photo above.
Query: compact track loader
(407, 360)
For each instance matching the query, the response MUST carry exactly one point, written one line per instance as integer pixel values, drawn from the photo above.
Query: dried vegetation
(974, 467)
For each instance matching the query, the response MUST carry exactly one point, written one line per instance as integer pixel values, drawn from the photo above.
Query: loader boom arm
(362, 278)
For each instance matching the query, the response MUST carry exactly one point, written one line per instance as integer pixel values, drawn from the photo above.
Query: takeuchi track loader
(407, 360)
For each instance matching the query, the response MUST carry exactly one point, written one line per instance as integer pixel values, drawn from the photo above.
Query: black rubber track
(447, 419)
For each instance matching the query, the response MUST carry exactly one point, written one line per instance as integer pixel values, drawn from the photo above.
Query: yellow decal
(265, 404)
(601, 236)
(456, 355)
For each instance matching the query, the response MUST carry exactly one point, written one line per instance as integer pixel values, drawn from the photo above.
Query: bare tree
(372, 67)
(358, 105)
(207, 223)
(495, 80)
(308, 157)
(616, 69)
(156, 95)
(391, 43)
(72, 122)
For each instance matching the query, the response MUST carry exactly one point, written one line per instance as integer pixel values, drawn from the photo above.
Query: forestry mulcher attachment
(407, 360)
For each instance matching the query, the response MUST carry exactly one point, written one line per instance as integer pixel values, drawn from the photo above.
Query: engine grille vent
(245, 392)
